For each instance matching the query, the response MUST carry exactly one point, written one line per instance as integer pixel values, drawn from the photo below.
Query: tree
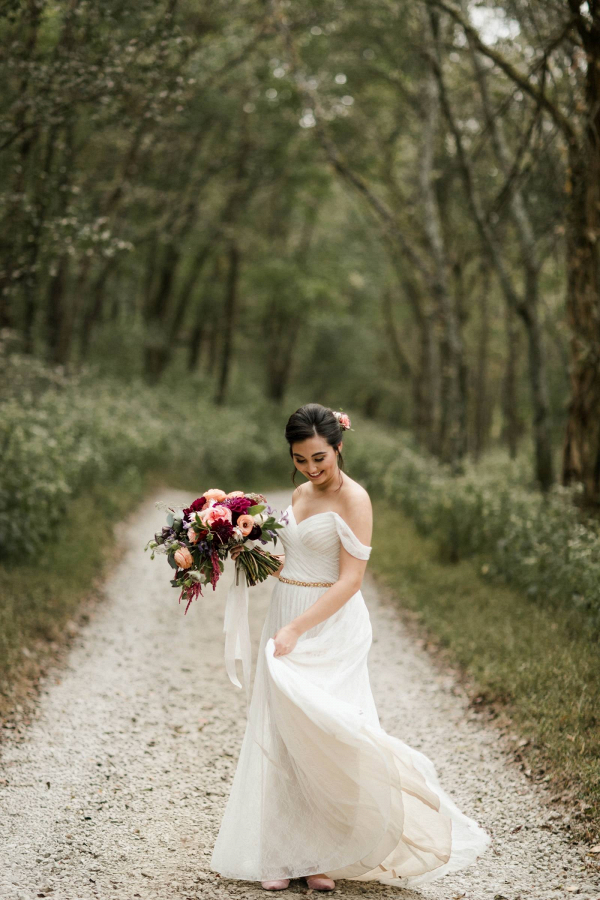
(578, 35)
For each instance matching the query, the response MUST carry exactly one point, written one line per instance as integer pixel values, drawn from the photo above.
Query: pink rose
(205, 511)
(344, 420)
(183, 558)
(246, 524)
(192, 536)
(216, 512)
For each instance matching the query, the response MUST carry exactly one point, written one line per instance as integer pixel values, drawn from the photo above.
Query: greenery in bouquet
(198, 540)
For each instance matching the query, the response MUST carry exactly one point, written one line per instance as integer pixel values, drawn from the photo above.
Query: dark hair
(312, 419)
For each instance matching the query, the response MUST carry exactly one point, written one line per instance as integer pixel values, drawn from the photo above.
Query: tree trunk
(426, 386)
(452, 437)
(13, 223)
(581, 451)
(528, 309)
(55, 311)
(156, 351)
(482, 411)
(195, 340)
(93, 313)
(282, 331)
(200, 332)
(391, 333)
(542, 438)
(231, 299)
(511, 430)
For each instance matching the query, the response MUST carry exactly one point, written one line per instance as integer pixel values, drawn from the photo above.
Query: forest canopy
(387, 206)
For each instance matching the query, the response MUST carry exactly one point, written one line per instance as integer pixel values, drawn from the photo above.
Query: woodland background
(387, 205)
(215, 212)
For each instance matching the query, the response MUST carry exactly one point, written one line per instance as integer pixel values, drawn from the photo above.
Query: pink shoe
(320, 883)
(279, 885)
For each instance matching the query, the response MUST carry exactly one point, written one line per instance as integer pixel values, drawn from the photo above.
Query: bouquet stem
(256, 565)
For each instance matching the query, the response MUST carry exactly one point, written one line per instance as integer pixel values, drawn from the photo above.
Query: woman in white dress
(321, 791)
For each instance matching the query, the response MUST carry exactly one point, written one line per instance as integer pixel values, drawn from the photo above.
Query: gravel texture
(118, 788)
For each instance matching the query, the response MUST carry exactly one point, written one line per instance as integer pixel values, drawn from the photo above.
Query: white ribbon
(238, 646)
(237, 631)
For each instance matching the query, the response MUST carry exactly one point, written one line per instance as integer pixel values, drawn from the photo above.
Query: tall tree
(579, 26)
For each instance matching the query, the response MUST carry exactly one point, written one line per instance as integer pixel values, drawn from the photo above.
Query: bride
(321, 791)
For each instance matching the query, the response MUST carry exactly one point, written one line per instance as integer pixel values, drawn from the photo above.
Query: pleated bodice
(312, 547)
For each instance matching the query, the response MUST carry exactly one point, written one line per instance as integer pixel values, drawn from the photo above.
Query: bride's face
(316, 459)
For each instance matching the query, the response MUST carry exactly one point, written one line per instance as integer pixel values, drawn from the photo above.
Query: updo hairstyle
(312, 419)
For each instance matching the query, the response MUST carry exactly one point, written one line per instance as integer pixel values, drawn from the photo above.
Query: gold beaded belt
(307, 583)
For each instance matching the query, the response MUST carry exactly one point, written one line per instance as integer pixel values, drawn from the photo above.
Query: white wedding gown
(320, 786)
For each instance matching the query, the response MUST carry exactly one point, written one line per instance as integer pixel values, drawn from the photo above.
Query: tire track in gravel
(118, 789)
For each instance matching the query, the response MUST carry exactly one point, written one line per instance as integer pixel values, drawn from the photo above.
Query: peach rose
(217, 512)
(183, 558)
(192, 535)
(235, 494)
(246, 524)
(214, 494)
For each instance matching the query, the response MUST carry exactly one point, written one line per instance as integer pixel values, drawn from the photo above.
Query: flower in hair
(342, 419)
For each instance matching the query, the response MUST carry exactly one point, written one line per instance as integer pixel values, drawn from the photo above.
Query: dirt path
(118, 789)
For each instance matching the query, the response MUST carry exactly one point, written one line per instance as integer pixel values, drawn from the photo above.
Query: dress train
(320, 786)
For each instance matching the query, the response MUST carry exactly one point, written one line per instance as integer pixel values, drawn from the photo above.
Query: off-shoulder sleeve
(349, 540)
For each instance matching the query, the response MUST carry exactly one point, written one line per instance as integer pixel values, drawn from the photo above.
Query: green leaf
(254, 510)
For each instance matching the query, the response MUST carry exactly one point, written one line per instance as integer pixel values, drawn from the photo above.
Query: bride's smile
(317, 460)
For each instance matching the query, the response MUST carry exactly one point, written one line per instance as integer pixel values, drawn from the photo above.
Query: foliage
(60, 434)
(141, 144)
(67, 433)
(538, 543)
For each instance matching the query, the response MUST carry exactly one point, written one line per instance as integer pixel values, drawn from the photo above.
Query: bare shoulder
(358, 510)
(297, 493)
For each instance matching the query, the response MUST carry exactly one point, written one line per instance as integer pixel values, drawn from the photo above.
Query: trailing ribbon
(237, 631)
(238, 646)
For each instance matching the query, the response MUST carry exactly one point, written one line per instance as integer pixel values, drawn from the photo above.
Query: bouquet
(198, 541)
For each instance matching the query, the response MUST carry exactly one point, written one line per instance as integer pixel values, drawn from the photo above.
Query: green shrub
(60, 435)
(537, 543)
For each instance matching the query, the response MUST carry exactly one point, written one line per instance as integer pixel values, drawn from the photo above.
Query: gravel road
(118, 788)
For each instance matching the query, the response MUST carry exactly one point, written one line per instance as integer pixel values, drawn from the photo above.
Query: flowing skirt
(319, 785)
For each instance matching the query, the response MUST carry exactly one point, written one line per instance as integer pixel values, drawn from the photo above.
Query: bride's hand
(285, 640)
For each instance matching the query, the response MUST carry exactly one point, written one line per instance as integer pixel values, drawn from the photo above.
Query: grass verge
(530, 669)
